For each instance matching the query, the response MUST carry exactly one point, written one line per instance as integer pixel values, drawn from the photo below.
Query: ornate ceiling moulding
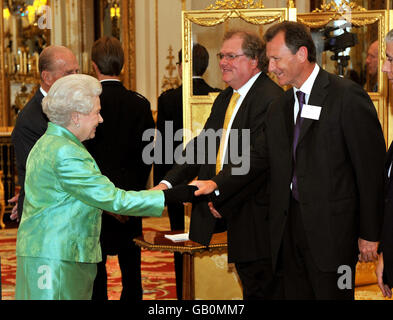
(236, 4)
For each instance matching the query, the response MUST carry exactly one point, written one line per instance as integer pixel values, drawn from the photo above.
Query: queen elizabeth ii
(58, 237)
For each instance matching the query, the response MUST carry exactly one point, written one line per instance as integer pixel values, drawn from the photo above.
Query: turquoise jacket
(65, 196)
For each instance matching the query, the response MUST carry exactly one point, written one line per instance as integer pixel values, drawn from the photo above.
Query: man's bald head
(56, 62)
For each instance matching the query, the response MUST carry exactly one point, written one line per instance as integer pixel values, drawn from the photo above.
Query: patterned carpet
(158, 276)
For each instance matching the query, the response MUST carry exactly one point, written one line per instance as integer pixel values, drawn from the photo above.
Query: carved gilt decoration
(343, 7)
(170, 81)
(236, 4)
(218, 18)
(349, 11)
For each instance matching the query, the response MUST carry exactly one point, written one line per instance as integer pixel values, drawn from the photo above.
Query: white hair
(73, 93)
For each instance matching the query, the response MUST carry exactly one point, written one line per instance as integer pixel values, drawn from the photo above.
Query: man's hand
(368, 250)
(213, 211)
(386, 291)
(204, 186)
(14, 211)
(160, 186)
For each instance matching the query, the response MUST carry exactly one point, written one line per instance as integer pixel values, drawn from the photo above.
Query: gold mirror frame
(196, 109)
(128, 31)
(358, 17)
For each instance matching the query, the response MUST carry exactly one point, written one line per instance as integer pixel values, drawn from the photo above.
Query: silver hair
(389, 36)
(73, 93)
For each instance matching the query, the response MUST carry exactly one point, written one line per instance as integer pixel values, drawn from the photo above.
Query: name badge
(311, 112)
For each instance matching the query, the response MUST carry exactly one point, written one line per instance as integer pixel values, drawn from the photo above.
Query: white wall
(158, 25)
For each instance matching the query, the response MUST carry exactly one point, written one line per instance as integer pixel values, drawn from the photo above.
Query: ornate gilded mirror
(207, 28)
(344, 34)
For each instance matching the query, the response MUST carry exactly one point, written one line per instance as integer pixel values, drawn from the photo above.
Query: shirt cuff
(167, 183)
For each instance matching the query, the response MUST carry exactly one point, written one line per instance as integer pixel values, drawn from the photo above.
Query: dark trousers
(258, 280)
(116, 239)
(176, 219)
(130, 267)
(303, 280)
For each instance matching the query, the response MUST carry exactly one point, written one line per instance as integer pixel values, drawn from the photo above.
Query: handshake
(196, 191)
(185, 193)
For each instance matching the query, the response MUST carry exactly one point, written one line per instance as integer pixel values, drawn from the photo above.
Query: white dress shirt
(306, 88)
(43, 92)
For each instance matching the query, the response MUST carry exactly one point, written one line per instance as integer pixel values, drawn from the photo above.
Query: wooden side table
(156, 241)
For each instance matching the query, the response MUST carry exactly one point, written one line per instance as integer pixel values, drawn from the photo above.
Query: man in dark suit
(54, 62)
(326, 171)
(117, 149)
(250, 93)
(331, 158)
(384, 268)
(170, 112)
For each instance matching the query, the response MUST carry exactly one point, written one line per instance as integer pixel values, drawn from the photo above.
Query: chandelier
(17, 7)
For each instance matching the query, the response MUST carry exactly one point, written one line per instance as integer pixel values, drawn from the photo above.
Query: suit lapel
(389, 157)
(220, 116)
(288, 115)
(317, 97)
(388, 162)
(237, 120)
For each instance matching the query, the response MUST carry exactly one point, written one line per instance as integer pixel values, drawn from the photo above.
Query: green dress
(58, 237)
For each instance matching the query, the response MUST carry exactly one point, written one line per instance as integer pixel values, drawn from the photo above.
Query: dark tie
(300, 97)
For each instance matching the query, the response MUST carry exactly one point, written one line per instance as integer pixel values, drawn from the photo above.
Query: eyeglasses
(229, 56)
